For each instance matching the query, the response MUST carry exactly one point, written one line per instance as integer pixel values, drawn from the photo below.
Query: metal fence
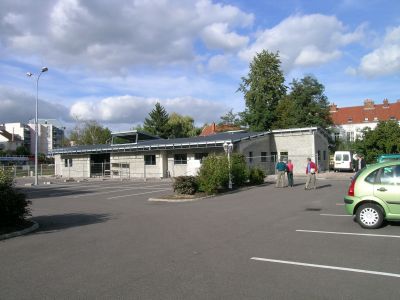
(29, 170)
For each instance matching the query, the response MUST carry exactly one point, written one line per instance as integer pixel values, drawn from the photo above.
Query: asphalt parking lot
(103, 239)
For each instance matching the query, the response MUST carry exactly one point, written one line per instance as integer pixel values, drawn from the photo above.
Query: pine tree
(156, 123)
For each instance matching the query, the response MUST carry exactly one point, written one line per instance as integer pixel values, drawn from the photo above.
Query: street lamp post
(228, 147)
(29, 74)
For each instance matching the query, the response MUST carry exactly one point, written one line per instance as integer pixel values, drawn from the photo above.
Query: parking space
(104, 239)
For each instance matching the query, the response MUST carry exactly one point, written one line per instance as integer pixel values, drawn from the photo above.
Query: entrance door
(100, 165)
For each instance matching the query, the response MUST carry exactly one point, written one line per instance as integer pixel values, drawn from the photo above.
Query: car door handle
(382, 189)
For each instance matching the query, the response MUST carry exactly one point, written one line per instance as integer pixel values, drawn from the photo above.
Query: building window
(349, 120)
(180, 159)
(68, 162)
(337, 136)
(392, 118)
(319, 155)
(263, 156)
(324, 154)
(150, 160)
(284, 155)
(273, 156)
(375, 118)
(350, 136)
(250, 157)
(365, 119)
(200, 156)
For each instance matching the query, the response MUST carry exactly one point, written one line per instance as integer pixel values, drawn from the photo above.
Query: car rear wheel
(369, 216)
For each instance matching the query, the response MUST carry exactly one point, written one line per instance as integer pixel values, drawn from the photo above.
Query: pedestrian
(289, 170)
(281, 169)
(356, 162)
(361, 163)
(310, 172)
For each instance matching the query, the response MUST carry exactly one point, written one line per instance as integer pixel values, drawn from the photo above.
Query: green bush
(239, 170)
(185, 185)
(13, 204)
(213, 174)
(256, 176)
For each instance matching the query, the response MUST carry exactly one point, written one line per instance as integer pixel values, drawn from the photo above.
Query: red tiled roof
(369, 112)
(213, 129)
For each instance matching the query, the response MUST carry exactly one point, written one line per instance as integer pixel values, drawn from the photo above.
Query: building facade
(350, 121)
(153, 157)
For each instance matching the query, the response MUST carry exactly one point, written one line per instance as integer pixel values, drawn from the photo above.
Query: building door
(100, 165)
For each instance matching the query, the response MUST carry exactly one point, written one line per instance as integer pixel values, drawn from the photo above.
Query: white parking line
(333, 215)
(326, 267)
(118, 190)
(340, 204)
(160, 190)
(350, 233)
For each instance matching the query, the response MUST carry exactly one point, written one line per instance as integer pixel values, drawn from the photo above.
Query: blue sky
(111, 61)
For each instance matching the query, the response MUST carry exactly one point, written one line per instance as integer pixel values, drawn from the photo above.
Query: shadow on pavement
(323, 186)
(52, 223)
(53, 192)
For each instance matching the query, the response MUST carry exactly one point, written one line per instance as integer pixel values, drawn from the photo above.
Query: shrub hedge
(256, 176)
(213, 174)
(13, 205)
(239, 170)
(185, 185)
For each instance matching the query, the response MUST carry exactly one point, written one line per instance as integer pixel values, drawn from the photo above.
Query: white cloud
(116, 35)
(384, 60)
(304, 40)
(131, 109)
(17, 106)
(217, 36)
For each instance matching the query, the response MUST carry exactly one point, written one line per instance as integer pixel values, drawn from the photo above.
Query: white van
(343, 161)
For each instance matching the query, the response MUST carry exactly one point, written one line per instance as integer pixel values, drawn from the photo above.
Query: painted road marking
(326, 267)
(350, 233)
(115, 197)
(119, 190)
(340, 204)
(333, 215)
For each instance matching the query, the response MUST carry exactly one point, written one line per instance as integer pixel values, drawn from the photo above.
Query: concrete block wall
(80, 166)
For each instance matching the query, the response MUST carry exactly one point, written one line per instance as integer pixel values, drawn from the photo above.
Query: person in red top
(289, 170)
(310, 172)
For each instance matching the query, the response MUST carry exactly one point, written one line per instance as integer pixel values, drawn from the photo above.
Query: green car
(374, 194)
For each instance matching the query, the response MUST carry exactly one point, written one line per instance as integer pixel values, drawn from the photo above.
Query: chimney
(213, 127)
(385, 103)
(333, 108)
(369, 104)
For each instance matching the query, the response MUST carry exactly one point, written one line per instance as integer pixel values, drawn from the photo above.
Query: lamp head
(45, 69)
(29, 74)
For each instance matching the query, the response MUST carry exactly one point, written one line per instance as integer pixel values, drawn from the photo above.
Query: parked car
(374, 194)
(343, 161)
(387, 157)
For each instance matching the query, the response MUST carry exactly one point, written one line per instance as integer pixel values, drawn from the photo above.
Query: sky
(111, 61)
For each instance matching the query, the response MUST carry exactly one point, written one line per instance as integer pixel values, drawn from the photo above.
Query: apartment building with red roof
(350, 121)
(214, 129)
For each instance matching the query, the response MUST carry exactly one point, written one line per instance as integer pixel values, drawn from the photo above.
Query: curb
(178, 200)
(34, 226)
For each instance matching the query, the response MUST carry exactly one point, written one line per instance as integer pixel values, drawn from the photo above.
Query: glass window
(338, 157)
(150, 160)
(319, 155)
(324, 153)
(371, 177)
(386, 176)
(273, 156)
(68, 162)
(180, 159)
(200, 156)
(346, 157)
(263, 156)
(250, 157)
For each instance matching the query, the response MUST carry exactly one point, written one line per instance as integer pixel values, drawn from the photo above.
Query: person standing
(281, 169)
(310, 172)
(361, 163)
(289, 169)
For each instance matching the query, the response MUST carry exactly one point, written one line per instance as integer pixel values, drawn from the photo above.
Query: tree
(90, 133)
(306, 105)
(179, 126)
(230, 118)
(263, 88)
(22, 150)
(385, 138)
(156, 123)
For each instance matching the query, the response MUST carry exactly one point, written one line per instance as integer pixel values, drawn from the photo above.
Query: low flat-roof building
(137, 154)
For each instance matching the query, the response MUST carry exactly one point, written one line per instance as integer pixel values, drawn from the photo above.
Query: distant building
(8, 141)
(350, 121)
(19, 132)
(51, 134)
(213, 129)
